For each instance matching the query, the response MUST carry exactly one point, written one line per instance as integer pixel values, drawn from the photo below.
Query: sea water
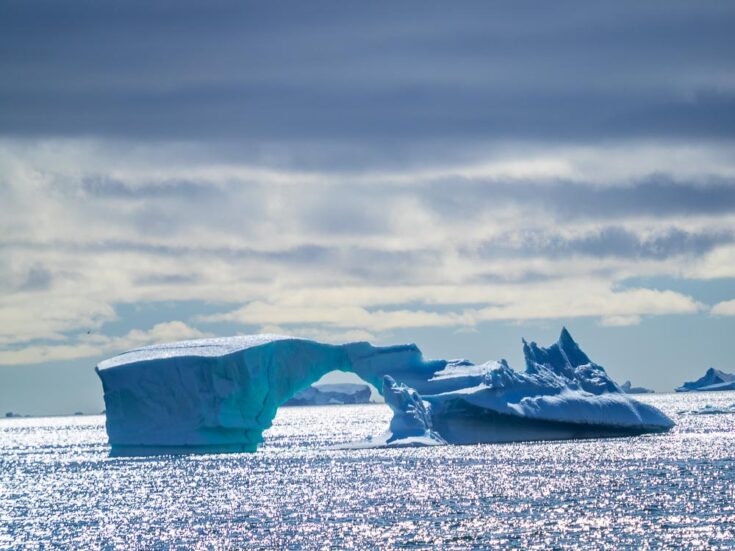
(59, 487)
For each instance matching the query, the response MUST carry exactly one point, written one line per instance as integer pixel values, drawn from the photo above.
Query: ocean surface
(60, 488)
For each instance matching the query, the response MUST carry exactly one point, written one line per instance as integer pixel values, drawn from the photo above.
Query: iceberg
(712, 380)
(628, 388)
(220, 394)
(327, 394)
(709, 409)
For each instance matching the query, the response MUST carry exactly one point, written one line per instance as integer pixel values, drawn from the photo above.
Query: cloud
(719, 263)
(354, 170)
(620, 321)
(323, 308)
(407, 250)
(607, 241)
(282, 78)
(39, 278)
(340, 317)
(658, 195)
(101, 185)
(31, 315)
(87, 346)
(726, 308)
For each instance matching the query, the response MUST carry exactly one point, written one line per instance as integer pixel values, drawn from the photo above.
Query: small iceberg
(713, 380)
(628, 388)
(709, 410)
(331, 394)
(221, 394)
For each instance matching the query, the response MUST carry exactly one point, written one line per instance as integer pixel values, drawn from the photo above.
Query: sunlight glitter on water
(59, 487)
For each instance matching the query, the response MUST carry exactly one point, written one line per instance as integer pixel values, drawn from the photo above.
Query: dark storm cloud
(382, 76)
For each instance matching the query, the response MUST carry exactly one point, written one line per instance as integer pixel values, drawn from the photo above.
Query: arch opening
(344, 409)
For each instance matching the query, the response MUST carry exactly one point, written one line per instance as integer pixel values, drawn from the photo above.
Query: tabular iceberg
(223, 393)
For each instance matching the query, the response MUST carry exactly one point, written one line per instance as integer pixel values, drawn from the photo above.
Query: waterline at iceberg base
(221, 394)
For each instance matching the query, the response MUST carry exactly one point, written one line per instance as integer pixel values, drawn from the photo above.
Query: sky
(456, 175)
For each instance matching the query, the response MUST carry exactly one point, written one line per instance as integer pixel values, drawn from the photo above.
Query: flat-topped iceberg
(712, 380)
(331, 394)
(223, 393)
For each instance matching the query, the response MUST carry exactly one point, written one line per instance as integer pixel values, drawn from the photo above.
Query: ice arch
(223, 393)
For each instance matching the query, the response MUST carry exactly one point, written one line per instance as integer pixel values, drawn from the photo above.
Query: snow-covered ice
(712, 380)
(223, 393)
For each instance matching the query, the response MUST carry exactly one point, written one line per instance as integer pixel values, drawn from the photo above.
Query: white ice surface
(205, 348)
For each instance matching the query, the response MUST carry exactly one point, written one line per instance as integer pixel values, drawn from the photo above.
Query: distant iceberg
(328, 394)
(221, 394)
(628, 388)
(709, 409)
(712, 380)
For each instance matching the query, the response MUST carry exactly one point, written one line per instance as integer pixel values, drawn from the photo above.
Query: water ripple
(59, 487)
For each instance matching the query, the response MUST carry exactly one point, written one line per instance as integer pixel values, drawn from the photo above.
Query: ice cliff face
(712, 380)
(223, 393)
